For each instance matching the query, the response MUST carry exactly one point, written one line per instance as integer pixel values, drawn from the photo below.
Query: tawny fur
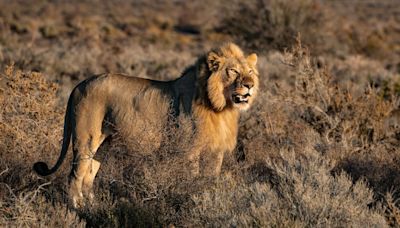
(214, 91)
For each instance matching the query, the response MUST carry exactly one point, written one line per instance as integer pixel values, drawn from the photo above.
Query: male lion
(213, 91)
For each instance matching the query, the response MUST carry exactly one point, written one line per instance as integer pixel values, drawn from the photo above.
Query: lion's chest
(219, 130)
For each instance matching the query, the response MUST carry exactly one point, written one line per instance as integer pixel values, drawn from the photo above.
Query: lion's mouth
(239, 99)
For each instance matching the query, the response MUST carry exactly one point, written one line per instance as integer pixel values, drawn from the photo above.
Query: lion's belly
(140, 118)
(142, 134)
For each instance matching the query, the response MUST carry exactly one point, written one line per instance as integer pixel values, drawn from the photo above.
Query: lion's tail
(41, 168)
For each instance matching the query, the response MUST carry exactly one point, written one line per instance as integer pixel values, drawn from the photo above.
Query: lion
(213, 92)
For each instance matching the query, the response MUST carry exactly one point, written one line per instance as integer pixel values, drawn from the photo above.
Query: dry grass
(319, 148)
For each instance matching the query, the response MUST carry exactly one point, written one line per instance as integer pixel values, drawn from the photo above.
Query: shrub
(29, 126)
(273, 24)
(30, 123)
(30, 208)
(301, 193)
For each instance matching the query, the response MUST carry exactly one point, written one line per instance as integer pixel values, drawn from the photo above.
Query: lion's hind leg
(88, 180)
(87, 185)
(84, 167)
(81, 164)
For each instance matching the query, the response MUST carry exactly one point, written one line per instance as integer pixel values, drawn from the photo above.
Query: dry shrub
(30, 126)
(274, 23)
(301, 193)
(30, 208)
(356, 131)
(392, 209)
(337, 115)
(30, 123)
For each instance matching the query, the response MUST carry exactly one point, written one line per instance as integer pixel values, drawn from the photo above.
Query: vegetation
(319, 148)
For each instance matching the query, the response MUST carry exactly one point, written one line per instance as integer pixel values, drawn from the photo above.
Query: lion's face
(234, 78)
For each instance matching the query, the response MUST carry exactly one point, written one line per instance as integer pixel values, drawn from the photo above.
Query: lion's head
(233, 80)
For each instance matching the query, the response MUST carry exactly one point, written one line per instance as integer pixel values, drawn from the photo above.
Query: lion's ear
(213, 61)
(252, 59)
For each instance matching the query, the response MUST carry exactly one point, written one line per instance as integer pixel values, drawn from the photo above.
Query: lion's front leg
(194, 160)
(213, 163)
(204, 161)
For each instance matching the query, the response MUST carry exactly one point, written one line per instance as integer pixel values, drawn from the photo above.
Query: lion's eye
(233, 72)
(250, 72)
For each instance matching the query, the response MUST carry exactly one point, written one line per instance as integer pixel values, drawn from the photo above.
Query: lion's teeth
(250, 91)
(241, 98)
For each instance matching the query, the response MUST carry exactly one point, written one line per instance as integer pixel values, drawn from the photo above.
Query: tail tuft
(41, 168)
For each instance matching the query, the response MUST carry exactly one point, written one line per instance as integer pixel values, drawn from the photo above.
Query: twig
(149, 198)
(4, 171)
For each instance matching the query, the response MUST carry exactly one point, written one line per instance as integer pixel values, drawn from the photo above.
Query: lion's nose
(248, 83)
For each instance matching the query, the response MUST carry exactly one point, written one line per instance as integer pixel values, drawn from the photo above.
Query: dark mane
(188, 87)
